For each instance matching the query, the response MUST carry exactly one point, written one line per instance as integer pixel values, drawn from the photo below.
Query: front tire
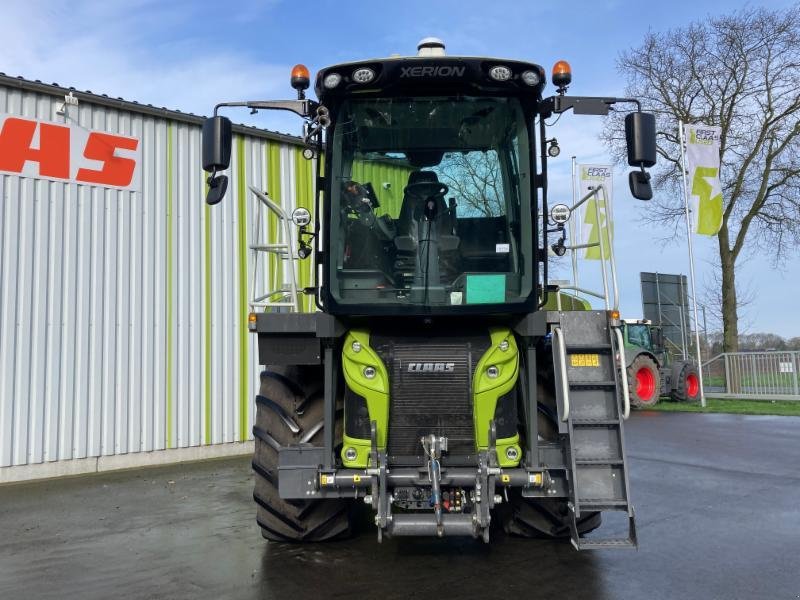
(289, 410)
(644, 382)
(543, 518)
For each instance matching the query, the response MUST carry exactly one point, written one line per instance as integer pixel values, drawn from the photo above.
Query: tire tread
(292, 520)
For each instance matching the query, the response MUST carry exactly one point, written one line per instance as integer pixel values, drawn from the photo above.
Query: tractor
(652, 371)
(433, 382)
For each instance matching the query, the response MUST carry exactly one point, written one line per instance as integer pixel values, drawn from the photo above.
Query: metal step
(581, 348)
(598, 461)
(593, 384)
(592, 544)
(597, 503)
(594, 422)
(599, 543)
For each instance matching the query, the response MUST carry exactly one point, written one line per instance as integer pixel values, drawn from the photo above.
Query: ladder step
(269, 247)
(598, 544)
(593, 384)
(275, 304)
(594, 422)
(601, 503)
(599, 461)
(577, 348)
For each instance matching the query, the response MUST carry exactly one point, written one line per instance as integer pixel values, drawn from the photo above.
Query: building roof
(55, 89)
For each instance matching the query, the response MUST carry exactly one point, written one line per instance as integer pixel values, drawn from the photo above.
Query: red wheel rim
(692, 385)
(645, 384)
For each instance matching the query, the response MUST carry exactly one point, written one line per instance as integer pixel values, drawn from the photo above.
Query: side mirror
(640, 138)
(217, 140)
(639, 182)
(217, 186)
(658, 338)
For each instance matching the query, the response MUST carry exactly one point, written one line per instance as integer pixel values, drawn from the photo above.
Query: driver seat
(409, 232)
(414, 204)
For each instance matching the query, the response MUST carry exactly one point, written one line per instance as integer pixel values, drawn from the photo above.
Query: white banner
(589, 177)
(68, 152)
(702, 166)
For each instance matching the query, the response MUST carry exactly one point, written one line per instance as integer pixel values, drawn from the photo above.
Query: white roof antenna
(430, 46)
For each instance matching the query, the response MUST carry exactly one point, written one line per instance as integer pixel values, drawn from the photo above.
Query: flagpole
(574, 235)
(691, 265)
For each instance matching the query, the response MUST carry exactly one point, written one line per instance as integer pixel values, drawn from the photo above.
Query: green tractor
(653, 372)
(433, 384)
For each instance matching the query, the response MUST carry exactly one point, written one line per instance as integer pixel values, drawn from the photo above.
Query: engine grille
(434, 397)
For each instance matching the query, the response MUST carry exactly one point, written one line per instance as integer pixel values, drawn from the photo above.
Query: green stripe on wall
(241, 221)
(304, 197)
(169, 287)
(380, 173)
(207, 317)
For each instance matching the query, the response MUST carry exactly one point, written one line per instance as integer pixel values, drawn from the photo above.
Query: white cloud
(139, 51)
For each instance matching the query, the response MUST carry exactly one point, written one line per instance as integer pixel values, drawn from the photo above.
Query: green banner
(705, 190)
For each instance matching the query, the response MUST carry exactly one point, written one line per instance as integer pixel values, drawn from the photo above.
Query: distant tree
(759, 342)
(742, 72)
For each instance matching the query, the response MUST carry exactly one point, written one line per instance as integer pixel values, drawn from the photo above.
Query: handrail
(606, 245)
(581, 289)
(283, 248)
(611, 260)
(562, 353)
(626, 411)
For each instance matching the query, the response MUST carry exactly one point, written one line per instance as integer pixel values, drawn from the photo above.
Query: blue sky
(189, 55)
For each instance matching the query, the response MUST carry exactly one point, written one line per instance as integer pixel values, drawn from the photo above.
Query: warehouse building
(123, 296)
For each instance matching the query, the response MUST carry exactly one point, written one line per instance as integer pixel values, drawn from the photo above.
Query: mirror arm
(303, 108)
(582, 105)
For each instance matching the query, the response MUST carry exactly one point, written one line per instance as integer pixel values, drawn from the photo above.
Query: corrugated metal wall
(123, 314)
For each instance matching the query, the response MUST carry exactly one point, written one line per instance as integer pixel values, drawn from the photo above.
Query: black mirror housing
(657, 339)
(217, 187)
(640, 137)
(639, 182)
(217, 141)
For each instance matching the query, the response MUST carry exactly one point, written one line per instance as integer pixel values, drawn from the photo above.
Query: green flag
(702, 166)
(590, 177)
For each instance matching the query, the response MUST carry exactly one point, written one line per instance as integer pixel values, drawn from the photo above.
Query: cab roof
(430, 75)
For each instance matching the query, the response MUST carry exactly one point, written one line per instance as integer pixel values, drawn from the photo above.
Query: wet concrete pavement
(717, 500)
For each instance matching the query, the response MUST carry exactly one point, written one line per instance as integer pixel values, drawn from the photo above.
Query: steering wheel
(384, 226)
(427, 189)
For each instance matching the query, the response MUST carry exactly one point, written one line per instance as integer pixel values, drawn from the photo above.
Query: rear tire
(687, 385)
(644, 382)
(289, 410)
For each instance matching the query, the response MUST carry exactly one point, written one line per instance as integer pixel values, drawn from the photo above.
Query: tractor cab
(643, 334)
(431, 185)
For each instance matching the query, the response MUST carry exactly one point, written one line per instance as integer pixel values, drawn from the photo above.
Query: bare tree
(740, 72)
(710, 296)
(475, 179)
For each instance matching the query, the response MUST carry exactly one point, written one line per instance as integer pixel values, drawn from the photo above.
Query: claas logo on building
(34, 148)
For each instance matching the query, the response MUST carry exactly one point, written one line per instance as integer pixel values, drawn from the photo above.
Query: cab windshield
(640, 336)
(431, 202)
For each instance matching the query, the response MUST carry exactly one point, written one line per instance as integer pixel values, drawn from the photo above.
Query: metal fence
(753, 375)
